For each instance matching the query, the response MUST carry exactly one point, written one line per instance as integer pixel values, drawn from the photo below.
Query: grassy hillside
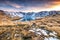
(31, 30)
(5, 19)
(51, 22)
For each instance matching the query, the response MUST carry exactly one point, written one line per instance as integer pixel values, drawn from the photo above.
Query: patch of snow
(38, 29)
(45, 38)
(31, 30)
(52, 34)
(38, 33)
(44, 32)
(50, 38)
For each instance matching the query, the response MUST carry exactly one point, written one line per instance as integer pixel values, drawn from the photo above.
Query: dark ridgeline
(2, 12)
(4, 15)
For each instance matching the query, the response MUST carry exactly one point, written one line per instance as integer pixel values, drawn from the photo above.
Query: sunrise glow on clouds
(29, 6)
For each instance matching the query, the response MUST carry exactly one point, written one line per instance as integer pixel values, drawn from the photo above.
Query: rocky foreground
(47, 28)
(26, 32)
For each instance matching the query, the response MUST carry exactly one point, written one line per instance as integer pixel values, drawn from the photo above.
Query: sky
(29, 5)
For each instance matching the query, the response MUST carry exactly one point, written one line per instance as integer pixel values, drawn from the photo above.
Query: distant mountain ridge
(32, 15)
(42, 13)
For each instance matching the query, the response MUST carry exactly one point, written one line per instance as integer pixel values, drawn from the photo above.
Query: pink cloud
(13, 4)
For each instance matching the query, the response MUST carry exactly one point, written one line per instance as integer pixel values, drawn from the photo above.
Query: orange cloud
(54, 5)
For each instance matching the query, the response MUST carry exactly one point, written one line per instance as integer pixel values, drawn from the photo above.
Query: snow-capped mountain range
(32, 15)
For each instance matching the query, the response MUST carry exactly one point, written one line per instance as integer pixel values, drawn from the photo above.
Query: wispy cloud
(31, 5)
(14, 4)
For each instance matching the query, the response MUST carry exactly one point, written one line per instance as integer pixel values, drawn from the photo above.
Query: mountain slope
(5, 19)
(51, 22)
